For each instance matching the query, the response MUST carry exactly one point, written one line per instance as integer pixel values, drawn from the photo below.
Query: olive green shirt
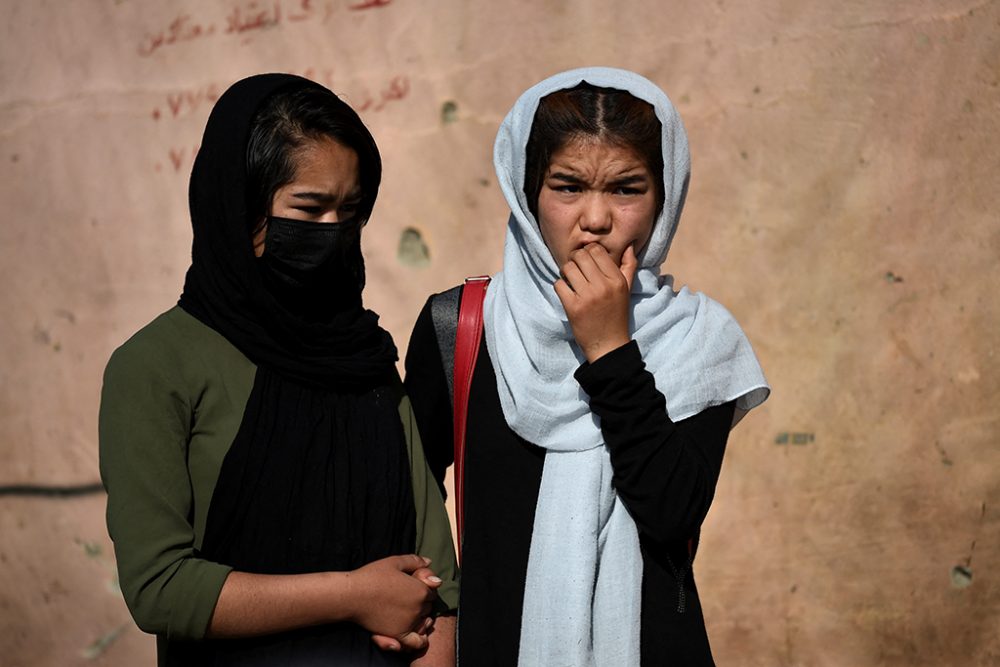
(173, 398)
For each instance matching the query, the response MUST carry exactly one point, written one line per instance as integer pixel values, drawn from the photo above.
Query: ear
(257, 237)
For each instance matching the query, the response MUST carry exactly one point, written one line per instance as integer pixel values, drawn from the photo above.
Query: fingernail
(436, 580)
(427, 561)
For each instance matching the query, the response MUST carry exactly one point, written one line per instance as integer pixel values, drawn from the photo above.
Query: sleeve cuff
(620, 362)
(203, 586)
(447, 598)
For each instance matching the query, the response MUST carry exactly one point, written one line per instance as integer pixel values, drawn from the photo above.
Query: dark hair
(283, 124)
(585, 110)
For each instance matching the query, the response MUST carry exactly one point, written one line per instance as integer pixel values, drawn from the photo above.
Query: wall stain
(449, 112)
(794, 438)
(961, 577)
(904, 348)
(97, 647)
(412, 250)
(945, 459)
(40, 335)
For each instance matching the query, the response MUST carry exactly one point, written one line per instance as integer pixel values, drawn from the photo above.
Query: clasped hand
(399, 591)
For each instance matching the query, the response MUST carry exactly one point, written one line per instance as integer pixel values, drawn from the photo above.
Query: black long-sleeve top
(665, 472)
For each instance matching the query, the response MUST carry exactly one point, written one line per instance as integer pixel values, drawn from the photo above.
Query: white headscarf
(583, 590)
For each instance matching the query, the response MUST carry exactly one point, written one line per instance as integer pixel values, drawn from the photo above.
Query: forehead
(326, 161)
(588, 153)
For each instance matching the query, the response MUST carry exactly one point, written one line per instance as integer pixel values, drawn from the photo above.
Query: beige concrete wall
(844, 205)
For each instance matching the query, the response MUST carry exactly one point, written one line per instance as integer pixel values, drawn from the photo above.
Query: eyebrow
(566, 178)
(631, 179)
(325, 197)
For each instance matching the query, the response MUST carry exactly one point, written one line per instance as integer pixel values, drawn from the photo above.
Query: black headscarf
(224, 287)
(317, 478)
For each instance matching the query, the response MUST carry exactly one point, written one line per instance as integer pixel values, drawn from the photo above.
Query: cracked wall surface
(843, 205)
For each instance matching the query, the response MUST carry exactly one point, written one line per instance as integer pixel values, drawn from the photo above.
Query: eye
(349, 209)
(310, 210)
(566, 188)
(628, 191)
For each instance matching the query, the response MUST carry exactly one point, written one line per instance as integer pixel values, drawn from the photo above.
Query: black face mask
(315, 269)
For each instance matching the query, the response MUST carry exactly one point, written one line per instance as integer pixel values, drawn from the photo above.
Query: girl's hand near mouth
(595, 291)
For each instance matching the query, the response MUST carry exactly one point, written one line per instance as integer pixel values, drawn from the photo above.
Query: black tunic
(664, 472)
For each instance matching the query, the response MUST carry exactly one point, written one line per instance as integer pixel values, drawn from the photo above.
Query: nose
(596, 214)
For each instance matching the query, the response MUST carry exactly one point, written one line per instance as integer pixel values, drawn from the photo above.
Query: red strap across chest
(467, 339)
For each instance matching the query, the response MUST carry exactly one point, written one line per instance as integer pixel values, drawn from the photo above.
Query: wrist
(597, 350)
(340, 591)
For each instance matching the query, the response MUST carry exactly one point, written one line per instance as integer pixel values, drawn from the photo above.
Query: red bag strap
(467, 339)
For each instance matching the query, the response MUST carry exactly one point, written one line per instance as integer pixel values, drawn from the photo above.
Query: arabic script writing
(243, 18)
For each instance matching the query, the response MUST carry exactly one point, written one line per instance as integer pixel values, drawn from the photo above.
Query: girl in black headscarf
(267, 491)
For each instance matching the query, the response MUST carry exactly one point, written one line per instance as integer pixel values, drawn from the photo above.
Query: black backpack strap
(444, 315)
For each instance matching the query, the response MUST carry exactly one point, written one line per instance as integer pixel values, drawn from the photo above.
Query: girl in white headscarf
(601, 403)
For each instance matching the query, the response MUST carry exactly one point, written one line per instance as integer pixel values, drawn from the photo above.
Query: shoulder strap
(467, 339)
(444, 315)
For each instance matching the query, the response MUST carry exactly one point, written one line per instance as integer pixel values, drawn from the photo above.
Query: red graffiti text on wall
(243, 19)
(180, 158)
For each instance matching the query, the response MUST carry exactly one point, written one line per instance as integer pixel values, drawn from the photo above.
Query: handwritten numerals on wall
(243, 19)
(180, 103)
